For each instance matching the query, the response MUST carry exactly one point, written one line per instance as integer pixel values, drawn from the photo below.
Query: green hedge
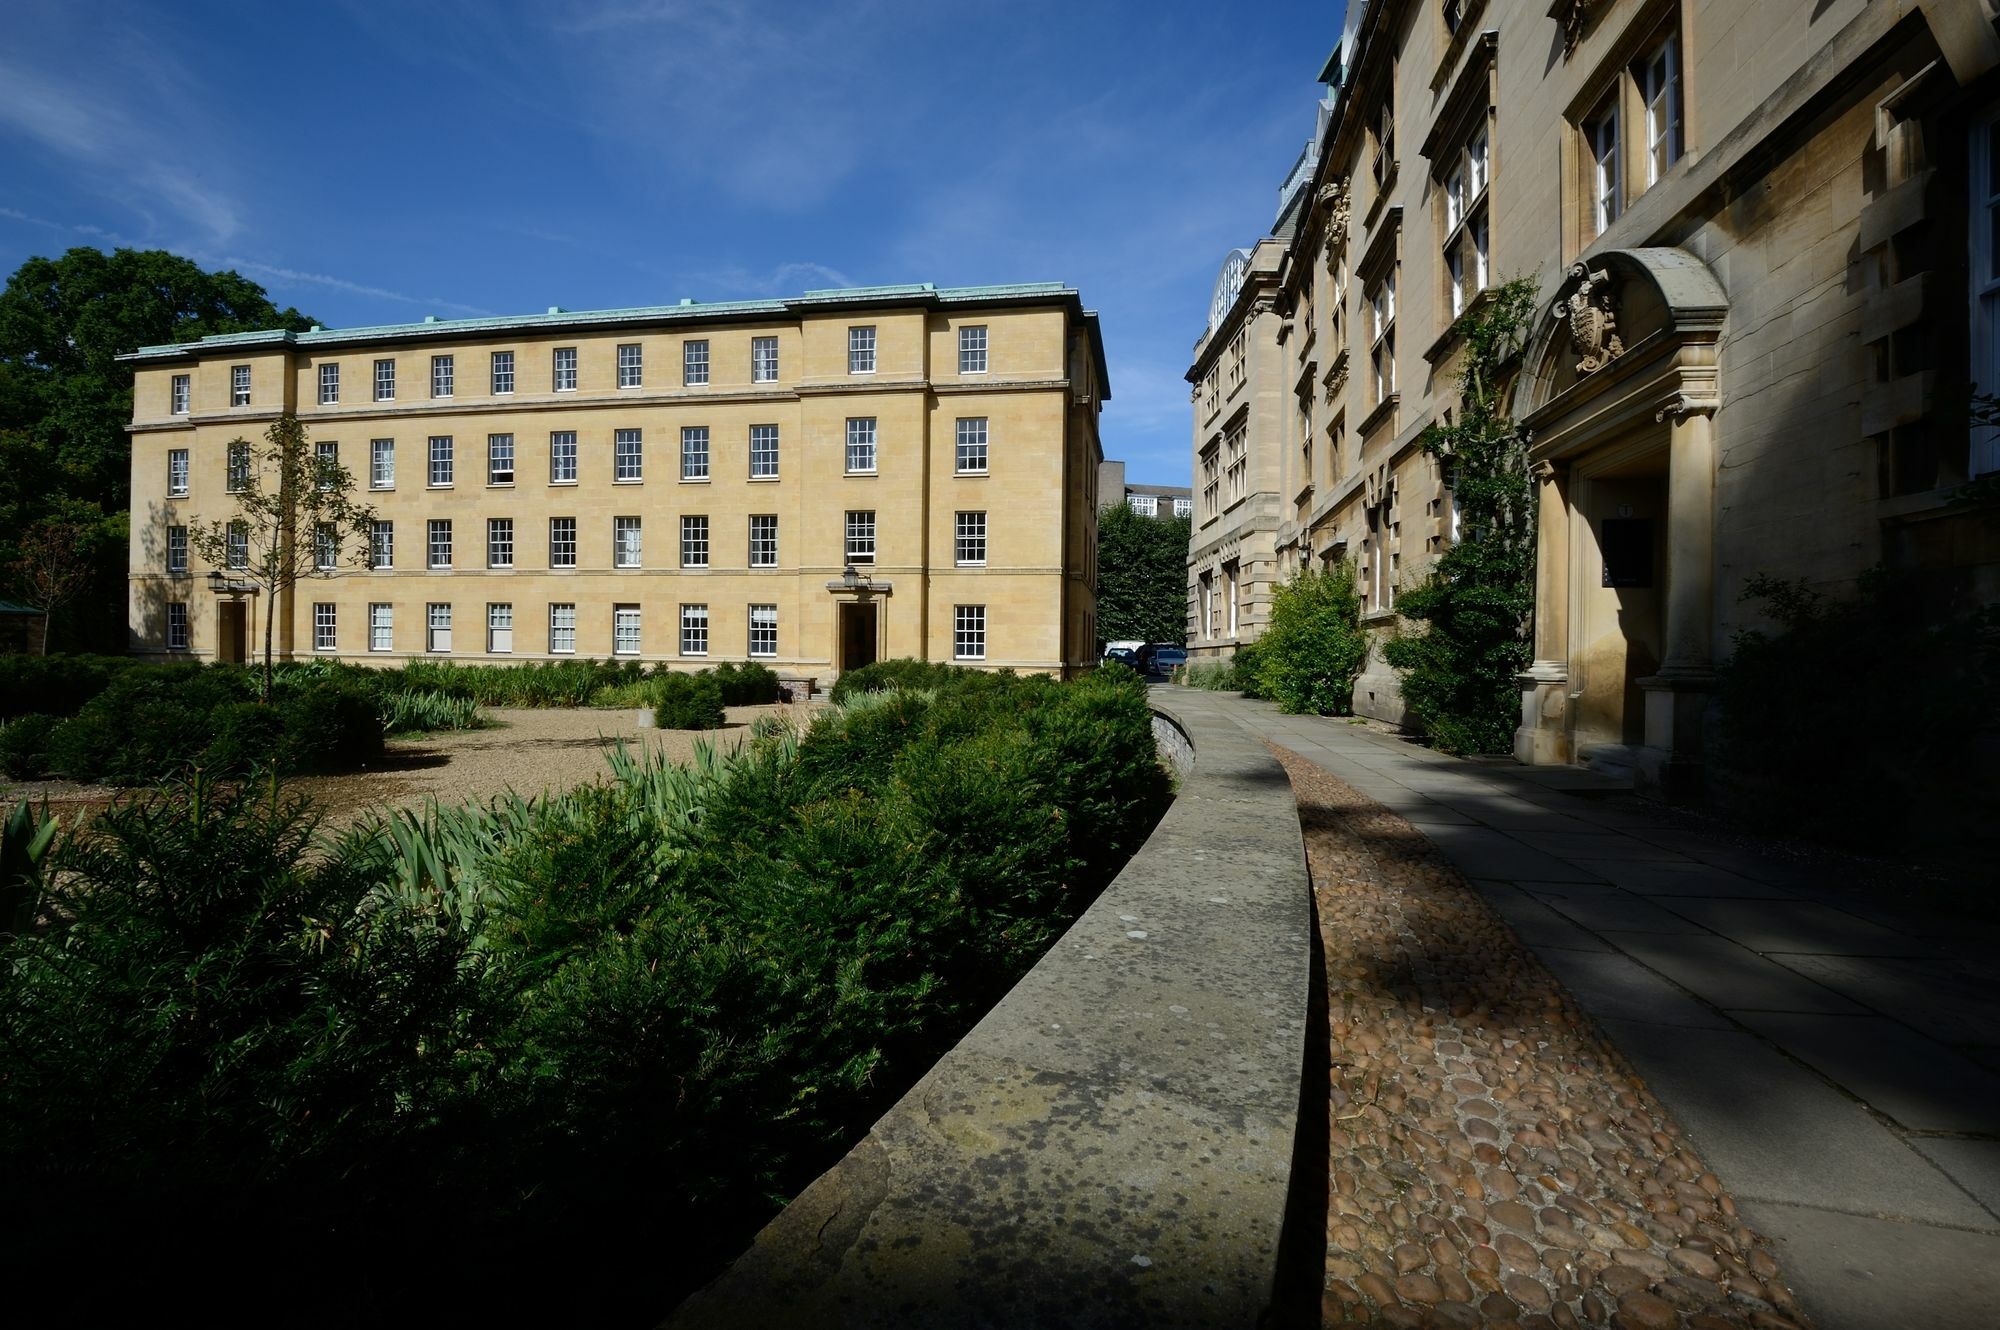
(56, 685)
(899, 673)
(688, 702)
(540, 1060)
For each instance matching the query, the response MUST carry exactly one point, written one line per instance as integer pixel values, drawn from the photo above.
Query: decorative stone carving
(1575, 17)
(1544, 471)
(1684, 404)
(1336, 377)
(1593, 320)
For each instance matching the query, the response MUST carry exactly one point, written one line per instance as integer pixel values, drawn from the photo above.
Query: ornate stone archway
(1620, 378)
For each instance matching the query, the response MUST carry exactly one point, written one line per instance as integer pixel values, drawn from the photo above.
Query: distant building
(1767, 238)
(1164, 501)
(813, 482)
(23, 629)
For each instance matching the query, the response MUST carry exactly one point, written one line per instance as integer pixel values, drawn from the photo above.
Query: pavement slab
(1920, 1083)
(1859, 1273)
(1725, 975)
(1798, 926)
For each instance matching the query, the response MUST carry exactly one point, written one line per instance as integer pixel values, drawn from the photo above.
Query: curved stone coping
(1112, 1144)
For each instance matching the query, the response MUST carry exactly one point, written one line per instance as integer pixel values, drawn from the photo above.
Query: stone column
(1543, 738)
(1678, 696)
(1690, 623)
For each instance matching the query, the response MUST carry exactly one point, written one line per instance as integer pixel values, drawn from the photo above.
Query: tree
(53, 568)
(295, 516)
(65, 400)
(1141, 576)
(1475, 603)
(1313, 646)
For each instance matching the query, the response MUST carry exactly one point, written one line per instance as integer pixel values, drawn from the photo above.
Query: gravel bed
(1492, 1160)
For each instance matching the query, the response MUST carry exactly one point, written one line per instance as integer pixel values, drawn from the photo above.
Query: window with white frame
(385, 380)
(503, 373)
(1183, 507)
(499, 542)
(499, 627)
(444, 373)
(694, 630)
(177, 473)
(183, 399)
(326, 458)
(1660, 92)
(969, 543)
(694, 452)
(763, 630)
(562, 374)
(324, 621)
(763, 450)
(329, 384)
(968, 632)
(861, 536)
(1983, 456)
(562, 457)
(861, 350)
(1231, 577)
(177, 625)
(437, 622)
(562, 542)
(763, 540)
(562, 629)
(624, 630)
(694, 363)
(1236, 468)
(631, 365)
(236, 545)
(694, 540)
(239, 385)
(1600, 140)
(441, 460)
(381, 464)
(1143, 504)
(628, 455)
(499, 459)
(763, 360)
(1211, 479)
(326, 547)
(238, 464)
(438, 532)
(860, 445)
(627, 547)
(1382, 335)
(177, 549)
(971, 458)
(381, 626)
(972, 349)
(381, 544)
(1465, 223)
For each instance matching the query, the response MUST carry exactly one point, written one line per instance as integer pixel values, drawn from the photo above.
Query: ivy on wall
(1473, 608)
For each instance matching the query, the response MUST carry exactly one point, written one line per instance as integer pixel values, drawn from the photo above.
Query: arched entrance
(1618, 395)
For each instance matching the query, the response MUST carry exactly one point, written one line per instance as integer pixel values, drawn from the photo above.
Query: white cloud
(291, 277)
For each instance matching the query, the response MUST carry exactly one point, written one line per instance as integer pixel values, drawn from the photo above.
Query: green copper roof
(687, 310)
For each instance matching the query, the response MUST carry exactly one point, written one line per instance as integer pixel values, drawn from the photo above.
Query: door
(232, 631)
(857, 636)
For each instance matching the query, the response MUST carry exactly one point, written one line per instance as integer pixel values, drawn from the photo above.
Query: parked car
(1127, 656)
(1166, 660)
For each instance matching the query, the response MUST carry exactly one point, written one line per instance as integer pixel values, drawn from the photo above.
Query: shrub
(427, 710)
(56, 685)
(747, 685)
(1212, 675)
(899, 673)
(1787, 758)
(249, 736)
(1313, 646)
(329, 727)
(688, 702)
(24, 746)
(1248, 663)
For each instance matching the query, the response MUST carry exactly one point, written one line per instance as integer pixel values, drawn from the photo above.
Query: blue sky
(374, 162)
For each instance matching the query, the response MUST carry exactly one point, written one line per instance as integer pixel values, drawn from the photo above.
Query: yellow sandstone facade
(814, 483)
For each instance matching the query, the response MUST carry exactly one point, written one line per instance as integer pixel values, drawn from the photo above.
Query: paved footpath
(1834, 1055)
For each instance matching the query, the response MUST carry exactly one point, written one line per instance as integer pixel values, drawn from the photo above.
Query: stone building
(814, 482)
(1765, 241)
(1161, 501)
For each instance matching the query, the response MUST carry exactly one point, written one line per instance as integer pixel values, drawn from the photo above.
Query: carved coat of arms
(1593, 322)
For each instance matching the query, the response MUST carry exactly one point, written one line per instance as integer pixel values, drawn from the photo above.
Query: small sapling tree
(296, 517)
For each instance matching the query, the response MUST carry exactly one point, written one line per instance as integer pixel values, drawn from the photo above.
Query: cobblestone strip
(1493, 1160)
